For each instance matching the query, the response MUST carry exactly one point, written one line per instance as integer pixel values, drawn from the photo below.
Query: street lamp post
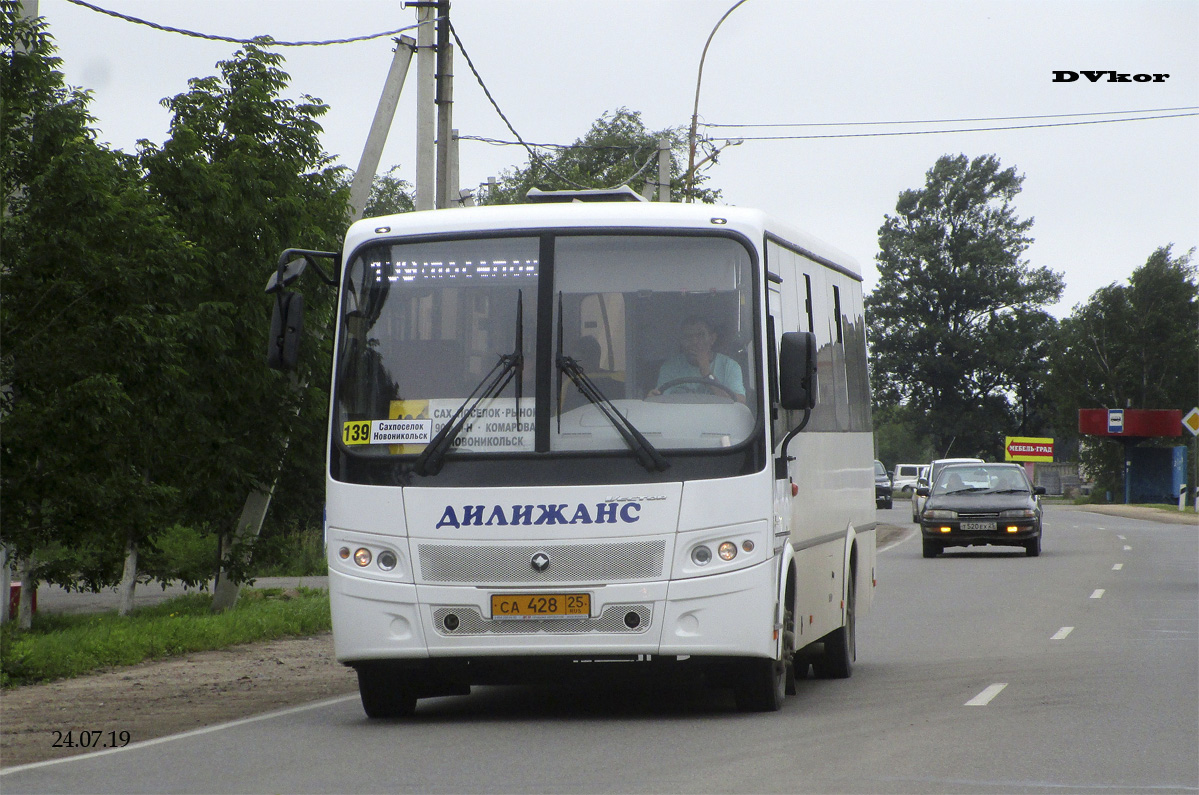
(690, 181)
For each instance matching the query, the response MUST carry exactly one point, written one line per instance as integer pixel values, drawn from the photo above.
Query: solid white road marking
(182, 735)
(1097, 593)
(1062, 633)
(984, 698)
(1117, 567)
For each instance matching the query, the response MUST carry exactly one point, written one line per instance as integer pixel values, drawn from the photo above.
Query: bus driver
(698, 361)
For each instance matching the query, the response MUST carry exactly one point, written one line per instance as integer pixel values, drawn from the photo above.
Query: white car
(903, 480)
(928, 475)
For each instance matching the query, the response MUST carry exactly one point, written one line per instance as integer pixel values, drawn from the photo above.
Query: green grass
(1165, 506)
(62, 646)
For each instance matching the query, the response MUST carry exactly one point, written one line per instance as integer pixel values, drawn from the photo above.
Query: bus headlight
(362, 556)
(700, 555)
(387, 560)
(727, 550)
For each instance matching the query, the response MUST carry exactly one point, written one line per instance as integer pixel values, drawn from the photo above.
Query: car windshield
(980, 479)
(879, 469)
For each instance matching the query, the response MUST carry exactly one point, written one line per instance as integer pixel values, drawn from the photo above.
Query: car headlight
(936, 514)
(1019, 513)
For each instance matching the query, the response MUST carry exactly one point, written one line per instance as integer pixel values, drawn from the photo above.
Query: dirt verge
(154, 699)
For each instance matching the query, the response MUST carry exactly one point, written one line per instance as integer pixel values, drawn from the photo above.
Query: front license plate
(540, 605)
(978, 527)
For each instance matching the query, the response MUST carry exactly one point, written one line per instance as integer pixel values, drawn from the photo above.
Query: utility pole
(368, 165)
(425, 96)
(445, 104)
(663, 170)
(453, 194)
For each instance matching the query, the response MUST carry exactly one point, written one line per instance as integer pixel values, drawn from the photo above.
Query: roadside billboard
(1025, 448)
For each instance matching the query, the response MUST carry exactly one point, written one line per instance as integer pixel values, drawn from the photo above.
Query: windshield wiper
(647, 455)
(431, 459)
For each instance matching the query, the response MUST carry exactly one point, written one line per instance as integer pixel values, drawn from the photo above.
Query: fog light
(701, 555)
(387, 560)
(362, 556)
(944, 529)
(1012, 528)
(727, 550)
(344, 553)
(747, 545)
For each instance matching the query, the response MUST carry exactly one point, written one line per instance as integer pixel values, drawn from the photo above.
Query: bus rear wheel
(841, 645)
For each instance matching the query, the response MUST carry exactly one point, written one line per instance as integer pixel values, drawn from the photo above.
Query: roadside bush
(62, 646)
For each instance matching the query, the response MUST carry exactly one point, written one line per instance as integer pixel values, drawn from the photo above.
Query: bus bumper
(729, 614)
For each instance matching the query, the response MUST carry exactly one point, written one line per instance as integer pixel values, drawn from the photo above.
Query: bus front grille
(586, 563)
(626, 619)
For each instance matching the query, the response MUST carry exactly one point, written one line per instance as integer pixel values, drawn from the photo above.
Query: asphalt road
(979, 671)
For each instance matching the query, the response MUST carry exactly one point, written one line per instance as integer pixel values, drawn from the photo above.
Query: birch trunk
(25, 567)
(128, 578)
(5, 582)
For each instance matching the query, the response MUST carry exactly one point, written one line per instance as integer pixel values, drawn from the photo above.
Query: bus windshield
(661, 326)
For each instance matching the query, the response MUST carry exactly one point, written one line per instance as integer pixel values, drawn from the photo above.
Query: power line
(963, 130)
(232, 40)
(500, 142)
(946, 121)
(533, 155)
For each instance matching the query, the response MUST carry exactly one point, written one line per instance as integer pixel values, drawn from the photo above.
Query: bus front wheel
(761, 685)
(386, 693)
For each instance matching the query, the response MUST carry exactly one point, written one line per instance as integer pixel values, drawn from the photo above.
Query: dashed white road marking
(1097, 593)
(1127, 548)
(1117, 567)
(1119, 537)
(1062, 633)
(984, 698)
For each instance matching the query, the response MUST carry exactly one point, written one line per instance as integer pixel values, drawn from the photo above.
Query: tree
(244, 175)
(389, 195)
(95, 322)
(1129, 345)
(617, 150)
(957, 323)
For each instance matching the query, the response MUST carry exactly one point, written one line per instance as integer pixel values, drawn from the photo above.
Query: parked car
(905, 476)
(882, 486)
(980, 504)
(926, 479)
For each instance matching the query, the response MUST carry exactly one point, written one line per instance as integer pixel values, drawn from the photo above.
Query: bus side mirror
(284, 276)
(797, 370)
(287, 325)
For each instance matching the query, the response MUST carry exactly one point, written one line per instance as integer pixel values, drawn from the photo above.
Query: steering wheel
(708, 382)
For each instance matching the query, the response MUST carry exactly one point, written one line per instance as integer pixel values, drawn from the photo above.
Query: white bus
(568, 432)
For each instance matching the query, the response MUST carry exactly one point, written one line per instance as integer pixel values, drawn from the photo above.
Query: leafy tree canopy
(1132, 345)
(958, 326)
(95, 321)
(244, 176)
(617, 150)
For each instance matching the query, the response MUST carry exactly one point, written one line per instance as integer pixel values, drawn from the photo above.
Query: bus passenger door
(782, 477)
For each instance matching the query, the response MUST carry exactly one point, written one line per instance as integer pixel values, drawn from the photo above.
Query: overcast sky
(1104, 195)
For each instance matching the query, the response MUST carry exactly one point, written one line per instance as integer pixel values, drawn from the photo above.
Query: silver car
(927, 477)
